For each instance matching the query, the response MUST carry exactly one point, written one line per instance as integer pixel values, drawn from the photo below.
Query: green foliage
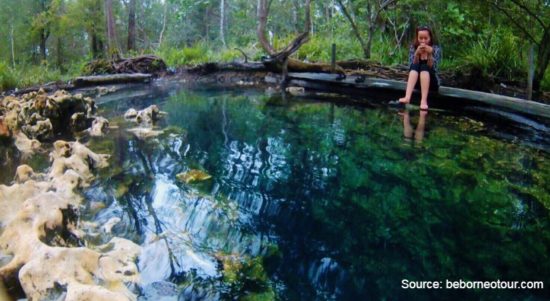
(472, 33)
(8, 79)
(185, 56)
(386, 52)
(35, 75)
(228, 55)
(499, 54)
(319, 49)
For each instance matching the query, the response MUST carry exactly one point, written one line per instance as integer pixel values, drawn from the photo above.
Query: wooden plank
(456, 94)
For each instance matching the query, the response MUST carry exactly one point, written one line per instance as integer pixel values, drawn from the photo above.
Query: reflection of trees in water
(352, 208)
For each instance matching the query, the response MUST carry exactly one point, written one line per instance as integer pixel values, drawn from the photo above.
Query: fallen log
(208, 68)
(96, 80)
(454, 96)
(49, 87)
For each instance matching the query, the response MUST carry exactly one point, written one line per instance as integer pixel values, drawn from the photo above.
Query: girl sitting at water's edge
(424, 58)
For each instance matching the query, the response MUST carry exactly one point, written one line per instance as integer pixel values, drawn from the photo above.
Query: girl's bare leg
(419, 133)
(413, 77)
(424, 89)
(407, 128)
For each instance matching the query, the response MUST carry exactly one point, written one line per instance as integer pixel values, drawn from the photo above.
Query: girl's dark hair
(423, 28)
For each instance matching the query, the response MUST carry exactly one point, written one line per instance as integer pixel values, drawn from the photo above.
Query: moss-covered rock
(193, 175)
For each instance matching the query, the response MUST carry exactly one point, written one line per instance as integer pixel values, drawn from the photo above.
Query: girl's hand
(425, 49)
(428, 49)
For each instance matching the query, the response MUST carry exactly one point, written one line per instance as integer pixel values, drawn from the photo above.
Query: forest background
(50, 40)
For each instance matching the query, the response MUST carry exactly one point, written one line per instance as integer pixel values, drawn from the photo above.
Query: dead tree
(279, 59)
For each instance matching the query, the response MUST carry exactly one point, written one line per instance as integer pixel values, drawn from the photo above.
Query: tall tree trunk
(96, 51)
(112, 46)
(12, 42)
(543, 58)
(368, 47)
(263, 12)
(165, 13)
(207, 25)
(60, 53)
(222, 22)
(295, 14)
(132, 25)
(43, 40)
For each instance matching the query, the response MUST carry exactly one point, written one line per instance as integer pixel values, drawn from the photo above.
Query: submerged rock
(25, 145)
(147, 116)
(99, 127)
(37, 204)
(145, 133)
(79, 122)
(131, 113)
(193, 175)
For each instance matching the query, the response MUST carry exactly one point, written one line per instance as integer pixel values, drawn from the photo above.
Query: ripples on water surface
(312, 200)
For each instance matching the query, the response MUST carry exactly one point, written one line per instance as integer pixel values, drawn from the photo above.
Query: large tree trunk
(543, 58)
(132, 25)
(112, 46)
(222, 22)
(43, 39)
(263, 12)
(96, 45)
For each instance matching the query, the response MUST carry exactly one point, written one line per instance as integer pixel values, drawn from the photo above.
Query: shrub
(496, 55)
(229, 55)
(185, 56)
(8, 80)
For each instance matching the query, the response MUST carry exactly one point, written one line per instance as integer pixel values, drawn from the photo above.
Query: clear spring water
(315, 200)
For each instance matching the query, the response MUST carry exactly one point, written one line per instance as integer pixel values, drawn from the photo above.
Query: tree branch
(384, 5)
(516, 23)
(529, 12)
(301, 38)
(263, 11)
(353, 25)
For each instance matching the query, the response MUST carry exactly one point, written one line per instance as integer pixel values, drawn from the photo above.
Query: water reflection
(408, 131)
(332, 189)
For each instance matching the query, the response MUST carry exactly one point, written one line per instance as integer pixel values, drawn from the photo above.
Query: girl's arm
(412, 56)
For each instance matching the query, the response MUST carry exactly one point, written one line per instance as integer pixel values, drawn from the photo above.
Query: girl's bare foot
(424, 105)
(404, 100)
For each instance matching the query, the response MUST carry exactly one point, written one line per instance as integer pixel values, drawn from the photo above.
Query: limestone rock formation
(147, 116)
(41, 116)
(99, 127)
(37, 204)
